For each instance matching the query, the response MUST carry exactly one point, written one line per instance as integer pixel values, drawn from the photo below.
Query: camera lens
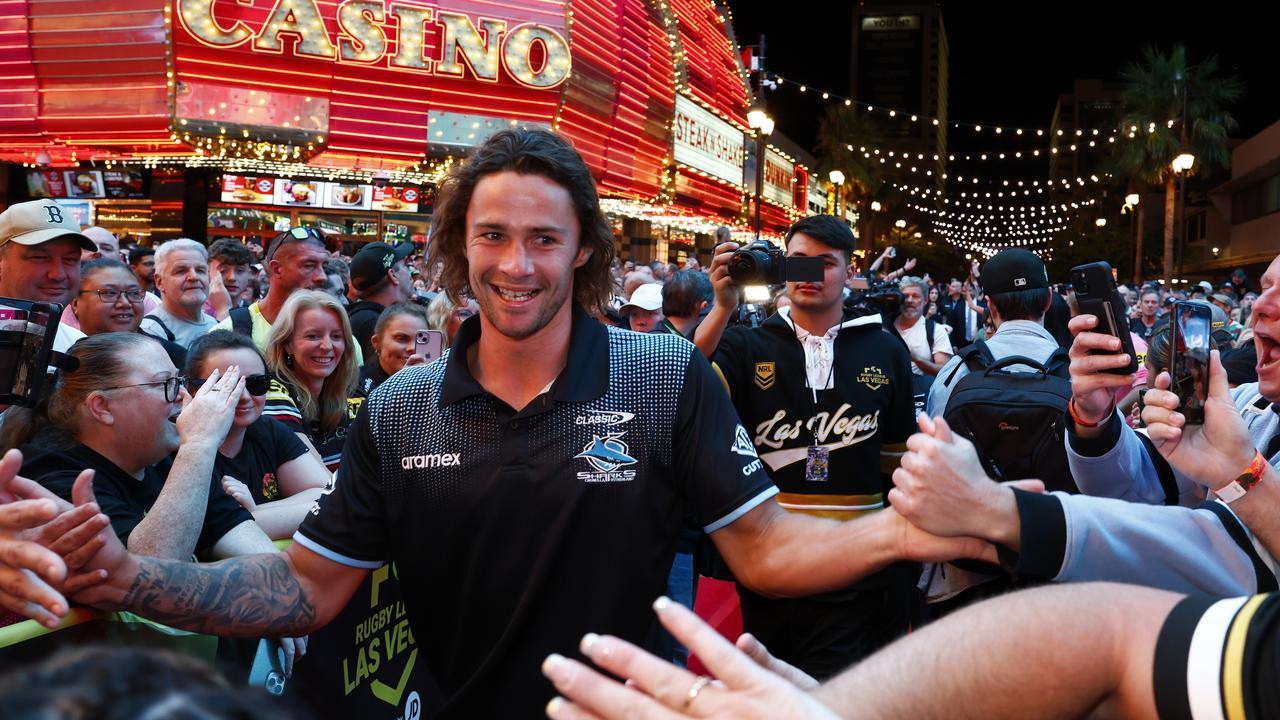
(744, 266)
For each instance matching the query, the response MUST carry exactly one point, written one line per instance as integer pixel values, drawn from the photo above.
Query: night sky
(1010, 61)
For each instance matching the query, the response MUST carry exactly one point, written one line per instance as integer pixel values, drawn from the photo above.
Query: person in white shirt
(927, 357)
(182, 276)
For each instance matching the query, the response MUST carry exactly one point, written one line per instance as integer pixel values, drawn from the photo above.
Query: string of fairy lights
(960, 227)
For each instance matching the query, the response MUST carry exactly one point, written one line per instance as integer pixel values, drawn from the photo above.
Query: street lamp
(875, 206)
(1100, 222)
(837, 179)
(1184, 162)
(759, 121)
(1131, 200)
(900, 223)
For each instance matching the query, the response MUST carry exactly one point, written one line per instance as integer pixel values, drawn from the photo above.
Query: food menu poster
(248, 189)
(348, 197)
(396, 198)
(86, 184)
(124, 184)
(299, 193)
(317, 194)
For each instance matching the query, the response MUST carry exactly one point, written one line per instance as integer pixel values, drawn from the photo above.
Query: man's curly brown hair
(527, 152)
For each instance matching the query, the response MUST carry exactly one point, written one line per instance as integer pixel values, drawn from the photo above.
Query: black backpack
(1016, 420)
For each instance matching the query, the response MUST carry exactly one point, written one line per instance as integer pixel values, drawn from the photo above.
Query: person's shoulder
(412, 381)
(1248, 396)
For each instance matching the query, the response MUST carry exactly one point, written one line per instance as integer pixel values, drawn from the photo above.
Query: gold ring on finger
(698, 685)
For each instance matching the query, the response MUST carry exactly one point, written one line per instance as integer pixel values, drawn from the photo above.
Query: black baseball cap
(369, 266)
(1013, 270)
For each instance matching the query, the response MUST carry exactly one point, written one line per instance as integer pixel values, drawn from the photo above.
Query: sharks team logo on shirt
(606, 454)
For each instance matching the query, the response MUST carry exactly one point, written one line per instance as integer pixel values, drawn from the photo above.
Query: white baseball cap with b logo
(39, 221)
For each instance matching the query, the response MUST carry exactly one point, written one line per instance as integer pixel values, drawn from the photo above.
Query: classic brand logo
(1006, 426)
(766, 373)
(412, 462)
(873, 377)
(606, 455)
(603, 417)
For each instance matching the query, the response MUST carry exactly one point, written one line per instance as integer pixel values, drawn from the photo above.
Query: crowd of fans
(220, 390)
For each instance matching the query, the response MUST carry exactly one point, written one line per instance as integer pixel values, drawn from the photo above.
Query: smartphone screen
(429, 344)
(1189, 358)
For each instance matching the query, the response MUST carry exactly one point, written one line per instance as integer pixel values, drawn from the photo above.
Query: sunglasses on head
(257, 385)
(298, 234)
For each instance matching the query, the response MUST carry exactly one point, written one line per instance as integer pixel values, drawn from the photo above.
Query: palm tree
(841, 136)
(1158, 91)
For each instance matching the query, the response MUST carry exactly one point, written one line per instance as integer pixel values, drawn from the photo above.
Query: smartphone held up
(1096, 294)
(1189, 343)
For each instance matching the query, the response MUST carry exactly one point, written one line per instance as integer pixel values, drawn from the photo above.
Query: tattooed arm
(289, 593)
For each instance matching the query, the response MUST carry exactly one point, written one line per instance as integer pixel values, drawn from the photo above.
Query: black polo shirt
(55, 461)
(515, 533)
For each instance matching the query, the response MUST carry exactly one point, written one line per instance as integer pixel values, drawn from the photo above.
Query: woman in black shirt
(262, 463)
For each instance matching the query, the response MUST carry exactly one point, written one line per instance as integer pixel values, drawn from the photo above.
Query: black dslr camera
(27, 331)
(763, 263)
(881, 297)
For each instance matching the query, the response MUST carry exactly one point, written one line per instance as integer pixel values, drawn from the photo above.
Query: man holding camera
(826, 402)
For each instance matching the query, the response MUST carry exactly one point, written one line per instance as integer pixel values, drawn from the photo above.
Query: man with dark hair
(685, 296)
(381, 278)
(826, 399)
(1148, 313)
(142, 260)
(230, 263)
(554, 455)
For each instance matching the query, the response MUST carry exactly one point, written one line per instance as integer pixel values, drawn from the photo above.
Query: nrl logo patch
(873, 377)
(766, 373)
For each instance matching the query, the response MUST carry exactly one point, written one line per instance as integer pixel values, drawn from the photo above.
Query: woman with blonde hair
(446, 316)
(314, 389)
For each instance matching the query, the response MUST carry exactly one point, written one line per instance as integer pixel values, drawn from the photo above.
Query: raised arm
(711, 329)
(1052, 652)
(172, 525)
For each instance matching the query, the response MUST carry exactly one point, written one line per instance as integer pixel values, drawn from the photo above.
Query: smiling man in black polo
(530, 486)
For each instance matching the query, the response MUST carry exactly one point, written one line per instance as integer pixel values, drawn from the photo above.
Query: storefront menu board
(248, 189)
(299, 193)
(319, 194)
(348, 197)
(396, 198)
(124, 184)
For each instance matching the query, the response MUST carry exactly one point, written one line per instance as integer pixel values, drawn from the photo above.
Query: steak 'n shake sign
(703, 141)
(414, 38)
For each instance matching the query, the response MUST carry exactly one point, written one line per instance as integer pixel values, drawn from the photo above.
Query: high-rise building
(1090, 107)
(900, 63)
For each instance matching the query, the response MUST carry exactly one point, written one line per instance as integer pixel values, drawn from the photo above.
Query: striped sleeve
(280, 405)
(1218, 660)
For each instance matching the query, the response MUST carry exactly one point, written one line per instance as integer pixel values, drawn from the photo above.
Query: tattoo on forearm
(247, 596)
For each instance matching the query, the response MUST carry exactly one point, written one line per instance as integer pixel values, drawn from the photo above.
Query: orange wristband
(1250, 477)
(1075, 417)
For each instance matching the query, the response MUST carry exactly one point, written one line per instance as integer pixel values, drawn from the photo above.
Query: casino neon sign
(394, 34)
